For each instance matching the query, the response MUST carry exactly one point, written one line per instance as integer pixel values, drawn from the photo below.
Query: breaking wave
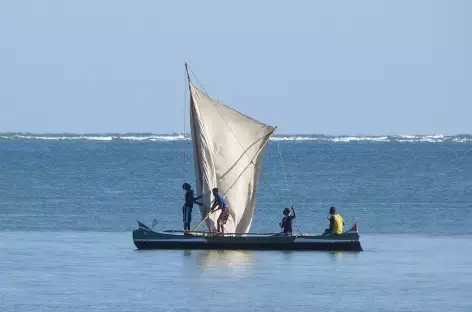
(279, 138)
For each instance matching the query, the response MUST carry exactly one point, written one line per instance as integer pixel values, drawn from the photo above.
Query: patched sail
(228, 151)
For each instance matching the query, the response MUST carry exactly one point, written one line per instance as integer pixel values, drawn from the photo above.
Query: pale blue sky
(329, 67)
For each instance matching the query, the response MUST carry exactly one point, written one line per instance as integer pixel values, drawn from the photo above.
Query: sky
(308, 67)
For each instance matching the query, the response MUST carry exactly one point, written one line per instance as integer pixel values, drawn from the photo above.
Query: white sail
(228, 151)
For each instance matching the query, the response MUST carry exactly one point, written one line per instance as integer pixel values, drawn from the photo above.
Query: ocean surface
(68, 205)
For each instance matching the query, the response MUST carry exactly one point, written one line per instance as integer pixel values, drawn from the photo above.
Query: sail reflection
(237, 260)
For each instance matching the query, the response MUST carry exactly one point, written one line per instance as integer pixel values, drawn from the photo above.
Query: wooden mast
(195, 141)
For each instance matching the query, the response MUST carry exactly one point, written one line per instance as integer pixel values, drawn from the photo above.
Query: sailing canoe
(228, 148)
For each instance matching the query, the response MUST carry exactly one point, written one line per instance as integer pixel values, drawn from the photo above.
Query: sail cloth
(228, 150)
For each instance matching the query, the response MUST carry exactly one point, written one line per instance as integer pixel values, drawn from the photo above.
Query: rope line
(285, 176)
(286, 182)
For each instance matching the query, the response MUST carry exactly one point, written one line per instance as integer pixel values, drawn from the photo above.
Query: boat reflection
(337, 255)
(238, 260)
(187, 253)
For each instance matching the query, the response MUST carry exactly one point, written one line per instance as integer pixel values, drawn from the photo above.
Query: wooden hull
(144, 238)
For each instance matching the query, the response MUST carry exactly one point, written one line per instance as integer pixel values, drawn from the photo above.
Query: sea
(69, 204)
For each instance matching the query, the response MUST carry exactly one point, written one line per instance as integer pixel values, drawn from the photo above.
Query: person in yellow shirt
(336, 222)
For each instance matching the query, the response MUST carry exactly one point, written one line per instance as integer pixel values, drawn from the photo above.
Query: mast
(195, 143)
(188, 77)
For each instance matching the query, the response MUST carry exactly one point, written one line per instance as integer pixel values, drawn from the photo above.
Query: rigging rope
(286, 182)
(285, 176)
(270, 189)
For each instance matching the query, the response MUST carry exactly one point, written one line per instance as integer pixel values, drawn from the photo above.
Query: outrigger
(228, 147)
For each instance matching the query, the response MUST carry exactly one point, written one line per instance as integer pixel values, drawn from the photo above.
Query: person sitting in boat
(336, 222)
(188, 205)
(286, 223)
(223, 205)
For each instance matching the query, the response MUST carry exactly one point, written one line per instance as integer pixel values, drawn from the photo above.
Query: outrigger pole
(206, 217)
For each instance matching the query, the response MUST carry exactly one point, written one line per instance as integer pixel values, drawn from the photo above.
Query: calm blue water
(67, 209)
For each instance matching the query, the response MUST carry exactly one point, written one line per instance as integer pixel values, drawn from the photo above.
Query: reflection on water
(398, 273)
(237, 260)
(244, 260)
(337, 255)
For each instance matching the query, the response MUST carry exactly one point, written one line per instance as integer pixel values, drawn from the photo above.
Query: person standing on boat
(286, 223)
(188, 205)
(336, 222)
(223, 205)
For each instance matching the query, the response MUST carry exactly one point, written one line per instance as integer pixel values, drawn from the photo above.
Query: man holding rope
(188, 205)
(223, 205)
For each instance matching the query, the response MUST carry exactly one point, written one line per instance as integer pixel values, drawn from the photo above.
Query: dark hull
(144, 238)
(348, 246)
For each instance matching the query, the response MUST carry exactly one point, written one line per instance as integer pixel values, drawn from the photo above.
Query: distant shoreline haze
(285, 134)
(151, 137)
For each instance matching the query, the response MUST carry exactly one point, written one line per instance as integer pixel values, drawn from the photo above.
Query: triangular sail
(228, 151)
